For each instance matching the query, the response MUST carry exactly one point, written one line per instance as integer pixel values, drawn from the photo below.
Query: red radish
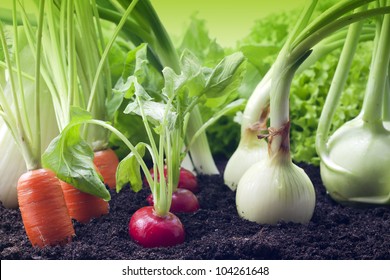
(187, 180)
(83, 206)
(106, 162)
(42, 205)
(183, 201)
(150, 230)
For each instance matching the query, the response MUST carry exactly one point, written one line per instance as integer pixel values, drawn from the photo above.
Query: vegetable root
(106, 162)
(183, 201)
(151, 231)
(42, 205)
(83, 206)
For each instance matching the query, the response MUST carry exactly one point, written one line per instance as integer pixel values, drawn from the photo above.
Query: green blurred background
(227, 20)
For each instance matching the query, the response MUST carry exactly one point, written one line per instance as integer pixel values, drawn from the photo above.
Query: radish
(183, 201)
(187, 180)
(150, 230)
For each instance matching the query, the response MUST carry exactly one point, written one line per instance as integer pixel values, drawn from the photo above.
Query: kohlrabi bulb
(363, 150)
(272, 191)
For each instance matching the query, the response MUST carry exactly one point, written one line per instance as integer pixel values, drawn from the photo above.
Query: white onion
(272, 191)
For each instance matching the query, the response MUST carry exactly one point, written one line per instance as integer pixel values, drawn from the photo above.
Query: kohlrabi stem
(335, 90)
(386, 99)
(330, 15)
(305, 44)
(105, 53)
(378, 77)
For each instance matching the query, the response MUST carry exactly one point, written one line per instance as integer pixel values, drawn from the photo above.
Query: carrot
(83, 206)
(106, 161)
(42, 205)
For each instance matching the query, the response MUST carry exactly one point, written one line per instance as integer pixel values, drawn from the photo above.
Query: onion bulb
(246, 155)
(275, 190)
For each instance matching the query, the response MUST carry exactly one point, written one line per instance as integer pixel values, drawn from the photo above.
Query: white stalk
(11, 152)
(201, 156)
(12, 167)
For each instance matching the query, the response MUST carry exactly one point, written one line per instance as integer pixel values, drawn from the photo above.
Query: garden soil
(217, 232)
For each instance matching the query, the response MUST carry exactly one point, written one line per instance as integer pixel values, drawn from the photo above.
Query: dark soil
(217, 232)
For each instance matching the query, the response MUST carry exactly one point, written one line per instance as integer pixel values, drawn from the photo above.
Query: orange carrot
(42, 205)
(106, 161)
(83, 206)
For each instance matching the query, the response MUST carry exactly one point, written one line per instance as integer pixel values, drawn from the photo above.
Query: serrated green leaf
(136, 63)
(128, 170)
(226, 76)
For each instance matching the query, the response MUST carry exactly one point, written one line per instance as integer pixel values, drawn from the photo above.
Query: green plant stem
(378, 78)
(213, 119)
(37, 138)
(19, 73)
(330, 15)
(335, 91)
(13, 69)
(290, 58)
(105, 53)
(386, 99)
(147, 27)
(126, 142)
(200, 149)
(13, 118)
(301, 47)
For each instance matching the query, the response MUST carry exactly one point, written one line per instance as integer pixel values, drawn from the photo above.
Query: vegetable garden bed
(217, 232)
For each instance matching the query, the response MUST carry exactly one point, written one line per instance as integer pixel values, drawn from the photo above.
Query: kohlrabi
(355, 160)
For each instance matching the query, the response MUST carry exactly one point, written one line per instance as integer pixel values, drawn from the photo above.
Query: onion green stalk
(283, 191)
(355, 159)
